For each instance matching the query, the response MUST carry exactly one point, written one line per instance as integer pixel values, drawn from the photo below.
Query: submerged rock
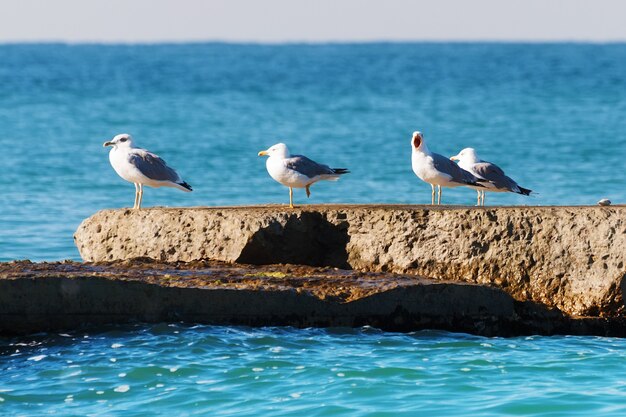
(61, 296)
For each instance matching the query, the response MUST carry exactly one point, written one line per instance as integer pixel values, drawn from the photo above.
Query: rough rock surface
(571, 258)
(59, 296)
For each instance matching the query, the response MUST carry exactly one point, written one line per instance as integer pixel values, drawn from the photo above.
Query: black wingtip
(340, 171)
(524, 191)
(479, 183)
(185, 185)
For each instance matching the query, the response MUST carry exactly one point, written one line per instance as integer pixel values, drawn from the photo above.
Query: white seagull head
(466, 155)
(123, 140)
(417, 141)
(279, 150)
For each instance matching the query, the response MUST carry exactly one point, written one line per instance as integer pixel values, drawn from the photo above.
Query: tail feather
(185, 185)
(340, 171)
(524, 191)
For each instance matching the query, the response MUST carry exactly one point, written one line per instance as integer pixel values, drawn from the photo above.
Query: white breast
(468, 166)
(287, 177)
(424, 168)
(119, 162)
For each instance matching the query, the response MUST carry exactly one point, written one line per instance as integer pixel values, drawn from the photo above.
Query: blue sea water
(552, 115)
(229, 371)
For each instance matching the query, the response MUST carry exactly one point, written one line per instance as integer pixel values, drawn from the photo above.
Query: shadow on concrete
(307, 238)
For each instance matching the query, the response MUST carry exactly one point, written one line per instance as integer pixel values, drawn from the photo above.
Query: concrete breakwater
(569, 258)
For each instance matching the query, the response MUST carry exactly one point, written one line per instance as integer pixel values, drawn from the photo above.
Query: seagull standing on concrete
(297, 171)
(437, 170)
(498, 181)
(141, 167)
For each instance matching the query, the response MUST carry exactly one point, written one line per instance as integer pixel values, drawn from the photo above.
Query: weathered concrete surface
(572, 258)
(53, 297)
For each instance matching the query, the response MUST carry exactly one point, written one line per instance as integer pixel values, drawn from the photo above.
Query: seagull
(297, 171)
(438, 170)
(498, 181)
(140, 167)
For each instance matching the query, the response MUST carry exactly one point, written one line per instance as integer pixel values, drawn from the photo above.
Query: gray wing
(152, 166)
(494, 173)
(307, 167)
(457, 173)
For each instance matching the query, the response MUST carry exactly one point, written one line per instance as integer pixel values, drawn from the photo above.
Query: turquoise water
(212, 371)
(552, 115)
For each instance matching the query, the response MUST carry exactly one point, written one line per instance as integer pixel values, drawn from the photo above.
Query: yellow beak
(454, 158)
(107, 143)
(263, 153)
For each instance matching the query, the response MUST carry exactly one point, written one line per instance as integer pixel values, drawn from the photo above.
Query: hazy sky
(310, 21)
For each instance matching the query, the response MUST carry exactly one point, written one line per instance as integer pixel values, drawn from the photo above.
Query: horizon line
(310, 42)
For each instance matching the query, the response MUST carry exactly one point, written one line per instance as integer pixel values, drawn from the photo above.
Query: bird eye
(123, 139)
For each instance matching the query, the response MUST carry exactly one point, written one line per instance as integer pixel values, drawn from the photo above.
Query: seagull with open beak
(437, 170)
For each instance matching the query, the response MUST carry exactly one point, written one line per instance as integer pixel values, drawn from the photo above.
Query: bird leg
(432, 196)
(308, 192)
(140, 196)
(290, 197)
(483, 198)
(478, 192)
(136, 195)
(439, 196)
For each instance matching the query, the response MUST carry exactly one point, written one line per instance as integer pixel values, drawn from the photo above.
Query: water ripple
(208, 370)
